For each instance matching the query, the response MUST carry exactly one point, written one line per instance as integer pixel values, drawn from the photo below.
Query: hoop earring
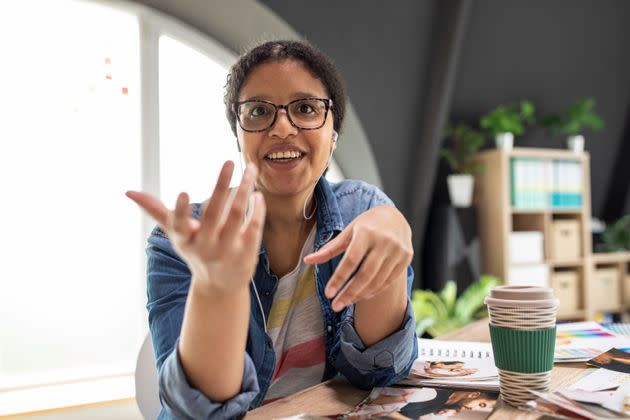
(314, 208)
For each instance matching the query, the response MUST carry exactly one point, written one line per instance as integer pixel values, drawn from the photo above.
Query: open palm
(220, 249)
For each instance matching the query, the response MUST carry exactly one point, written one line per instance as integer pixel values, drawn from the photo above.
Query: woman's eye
(258, 111)
(305, 109)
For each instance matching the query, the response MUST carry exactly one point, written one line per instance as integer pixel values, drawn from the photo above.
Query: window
(195, 137)
(72, 302)
(73, 315)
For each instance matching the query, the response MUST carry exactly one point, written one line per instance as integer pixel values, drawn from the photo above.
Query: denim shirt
(168, 282)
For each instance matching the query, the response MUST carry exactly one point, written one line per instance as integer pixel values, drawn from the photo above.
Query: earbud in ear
(334, 137)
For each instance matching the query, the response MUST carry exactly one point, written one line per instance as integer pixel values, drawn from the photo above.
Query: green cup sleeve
(523, 351)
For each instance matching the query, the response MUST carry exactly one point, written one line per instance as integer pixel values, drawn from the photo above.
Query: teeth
(284, 155)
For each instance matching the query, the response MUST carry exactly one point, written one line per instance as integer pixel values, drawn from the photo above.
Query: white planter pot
(460, 189)
(504, 141)
(576, 143)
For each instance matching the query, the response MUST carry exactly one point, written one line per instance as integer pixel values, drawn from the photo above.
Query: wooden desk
(338, 396)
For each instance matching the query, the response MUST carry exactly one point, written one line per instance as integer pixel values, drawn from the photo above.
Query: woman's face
(479, 404)
(447, 366)
(281, 82)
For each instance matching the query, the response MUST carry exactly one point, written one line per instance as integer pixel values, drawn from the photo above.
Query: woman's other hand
(219, 249)
(380, 241)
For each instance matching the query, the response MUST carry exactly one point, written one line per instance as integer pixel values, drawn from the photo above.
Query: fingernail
(337, 306)
(330, 292)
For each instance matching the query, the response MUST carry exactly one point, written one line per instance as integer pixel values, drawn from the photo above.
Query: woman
(244, 310)
(446, 369)
(384, 401)
(450, 403)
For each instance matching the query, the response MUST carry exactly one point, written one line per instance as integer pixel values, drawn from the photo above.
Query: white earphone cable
(262, 312)
(240, 161)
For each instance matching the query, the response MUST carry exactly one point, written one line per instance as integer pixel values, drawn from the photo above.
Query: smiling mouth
(283, 156)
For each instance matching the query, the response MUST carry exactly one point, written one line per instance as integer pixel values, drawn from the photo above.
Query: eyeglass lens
(304, 113)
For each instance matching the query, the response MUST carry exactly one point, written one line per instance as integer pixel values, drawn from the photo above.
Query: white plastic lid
(519, 295)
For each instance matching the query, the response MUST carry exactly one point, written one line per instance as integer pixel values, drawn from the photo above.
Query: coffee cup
(523, 335)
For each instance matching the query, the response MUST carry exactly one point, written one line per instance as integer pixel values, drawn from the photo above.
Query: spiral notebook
(454, 364)
(431, 349)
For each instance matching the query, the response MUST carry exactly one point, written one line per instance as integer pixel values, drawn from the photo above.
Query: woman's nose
(282, 127)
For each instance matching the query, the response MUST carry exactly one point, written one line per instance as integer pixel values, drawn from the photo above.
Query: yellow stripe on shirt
(280, 307)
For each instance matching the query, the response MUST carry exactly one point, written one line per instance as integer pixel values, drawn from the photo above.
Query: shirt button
(329, 329)
(267, 293)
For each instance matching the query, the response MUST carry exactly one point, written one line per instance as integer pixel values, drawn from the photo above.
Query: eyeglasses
(257, 115)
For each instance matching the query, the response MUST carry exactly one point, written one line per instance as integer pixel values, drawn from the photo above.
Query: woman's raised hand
(378, 243)
(220, 250)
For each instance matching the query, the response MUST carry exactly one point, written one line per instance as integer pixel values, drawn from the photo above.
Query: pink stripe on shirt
(303, 355)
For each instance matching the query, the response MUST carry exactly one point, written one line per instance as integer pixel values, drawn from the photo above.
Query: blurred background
(98, 97)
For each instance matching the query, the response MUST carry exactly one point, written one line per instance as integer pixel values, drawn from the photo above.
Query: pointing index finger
(151, 205)
(330, 250)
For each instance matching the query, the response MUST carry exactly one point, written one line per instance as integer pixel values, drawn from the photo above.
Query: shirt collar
(329, 220)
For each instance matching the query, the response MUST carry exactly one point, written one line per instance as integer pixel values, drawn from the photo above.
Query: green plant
(440, 313)
(580, 114)
(465, 141)
(617, 235)
(508, 118)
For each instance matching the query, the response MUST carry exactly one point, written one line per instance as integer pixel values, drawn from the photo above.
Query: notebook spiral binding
(454, 353)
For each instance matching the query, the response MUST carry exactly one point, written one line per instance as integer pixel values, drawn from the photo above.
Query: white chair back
(147, 381)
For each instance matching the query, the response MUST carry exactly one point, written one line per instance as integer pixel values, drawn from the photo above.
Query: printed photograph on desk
(600, 380)
(613, 359)
(576, 405)
(473, 369)
(581, 341)
(543, 407)
(425, 403)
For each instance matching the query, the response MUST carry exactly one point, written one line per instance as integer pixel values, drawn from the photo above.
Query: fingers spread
(236, 215)
(151, 205)
(214, 209)
(180, 221)
(253, 231)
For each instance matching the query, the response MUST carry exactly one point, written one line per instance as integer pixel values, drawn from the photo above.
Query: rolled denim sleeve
(168, 283)
(384, 362)
(182, 401)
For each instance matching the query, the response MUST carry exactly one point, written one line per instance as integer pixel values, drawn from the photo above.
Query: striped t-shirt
(296, 328)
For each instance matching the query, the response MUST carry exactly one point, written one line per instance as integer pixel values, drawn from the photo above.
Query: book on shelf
(539, 184)
(567, 184)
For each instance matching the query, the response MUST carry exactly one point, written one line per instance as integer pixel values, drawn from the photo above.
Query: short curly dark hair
(315, 60)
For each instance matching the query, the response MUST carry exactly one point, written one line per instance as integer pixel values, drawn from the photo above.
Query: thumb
(331, 249)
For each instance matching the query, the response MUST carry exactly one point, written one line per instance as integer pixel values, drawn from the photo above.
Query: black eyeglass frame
(328, 104)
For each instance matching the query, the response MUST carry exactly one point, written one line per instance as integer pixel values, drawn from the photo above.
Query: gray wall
(382, 51)
(550, 52)
(393, 55)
